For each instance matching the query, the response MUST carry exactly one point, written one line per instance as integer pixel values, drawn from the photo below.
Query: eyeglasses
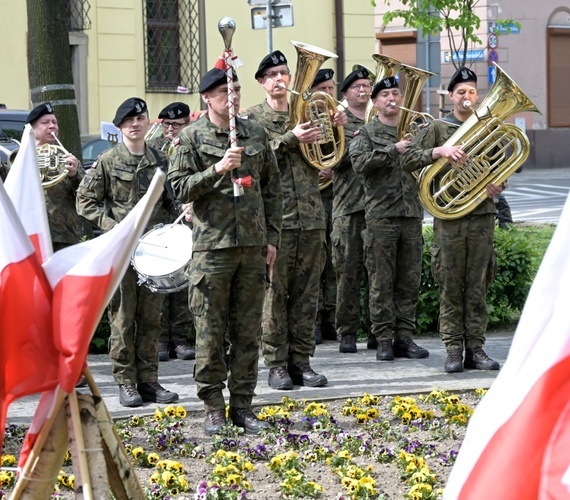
(275, 74)
(174, 125)
(357, 86)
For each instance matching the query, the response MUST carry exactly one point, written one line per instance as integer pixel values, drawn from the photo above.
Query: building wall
(115, 68)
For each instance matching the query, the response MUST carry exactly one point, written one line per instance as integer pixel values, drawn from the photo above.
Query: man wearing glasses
(290, 306)
(176, 322)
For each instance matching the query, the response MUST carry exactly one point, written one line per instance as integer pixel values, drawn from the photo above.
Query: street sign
(504, 29)
(281, 16)
(492, 41)
(492, 74)
(492, 56)
(472, 55)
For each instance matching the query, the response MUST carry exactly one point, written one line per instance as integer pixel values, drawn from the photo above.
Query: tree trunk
(49, 66)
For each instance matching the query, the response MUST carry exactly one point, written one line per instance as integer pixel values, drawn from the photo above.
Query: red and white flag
(24, 187)
(28, 358)
(518, 440)
(85, 276)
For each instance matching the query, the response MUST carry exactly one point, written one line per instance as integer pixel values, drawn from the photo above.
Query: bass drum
(161, 257)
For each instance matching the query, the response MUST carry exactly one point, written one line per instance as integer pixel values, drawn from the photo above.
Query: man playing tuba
(462, 251)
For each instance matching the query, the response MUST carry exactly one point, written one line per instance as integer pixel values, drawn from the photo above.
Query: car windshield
(11, 130)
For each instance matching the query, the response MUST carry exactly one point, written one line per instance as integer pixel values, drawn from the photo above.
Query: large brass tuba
(315, 107)
(495, 150)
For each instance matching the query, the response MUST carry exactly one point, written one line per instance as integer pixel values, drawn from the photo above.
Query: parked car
(91, 147)
(12, 122)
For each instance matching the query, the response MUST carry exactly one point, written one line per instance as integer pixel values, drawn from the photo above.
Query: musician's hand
(339, 119)
(188, 215)
(306, 133)
(454, 154)
(230, 161)
(71, 164)
(270, 259)
(326, 173)
(493, 190)
(401, 145)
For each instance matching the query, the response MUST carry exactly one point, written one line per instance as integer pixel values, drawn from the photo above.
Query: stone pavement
(348, 375)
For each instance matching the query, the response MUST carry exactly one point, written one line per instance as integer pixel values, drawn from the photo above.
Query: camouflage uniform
(228, 271)
(393, 241)
(462, 252)
(176, 321)
(347, 245)
(64, 223)
(119, 180)
(327, 291)
(290, 306)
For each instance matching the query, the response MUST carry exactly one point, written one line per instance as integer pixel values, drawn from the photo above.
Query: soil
(437, 440)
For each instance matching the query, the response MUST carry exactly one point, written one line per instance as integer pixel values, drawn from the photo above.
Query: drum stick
(181, 216)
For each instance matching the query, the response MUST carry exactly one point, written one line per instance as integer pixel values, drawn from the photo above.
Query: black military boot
(318, 334)
(329, 331)
(372, 342)
(454, 361)
(183, 351)
(303, 374)
(244, 417)
(279, 379)
(385, 351)
(163, 350)
(407, 348)
(153, 392)
(477, 359)
(347, 343)
(215, 422)
(129, 396)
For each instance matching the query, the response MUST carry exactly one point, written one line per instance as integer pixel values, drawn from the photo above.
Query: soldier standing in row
(462, 251)
(176, 320)
(234, 248)
(290, 306)
(118, 180)
(393, 242)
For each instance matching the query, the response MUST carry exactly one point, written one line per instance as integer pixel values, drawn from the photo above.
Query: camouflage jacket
(302, 205)
(389, 190)
(347, 184)
(60, 204)
(419, 153)
(115, 183)
(219, 221)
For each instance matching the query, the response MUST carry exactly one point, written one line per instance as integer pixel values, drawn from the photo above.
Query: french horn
(316, 107)
(52, 164)
(495, 150)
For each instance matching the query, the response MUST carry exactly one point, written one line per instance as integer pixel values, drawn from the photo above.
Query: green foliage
(519, 252)
(455, 18)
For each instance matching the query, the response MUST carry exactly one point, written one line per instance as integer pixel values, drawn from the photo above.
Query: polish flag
(24, 187)
(85, 276)
(28, 358)
(518, 440)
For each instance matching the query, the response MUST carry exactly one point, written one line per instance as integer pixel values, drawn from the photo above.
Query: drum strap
(167, 185)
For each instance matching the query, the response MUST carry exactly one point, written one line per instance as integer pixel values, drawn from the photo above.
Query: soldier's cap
(133, 106)
(275, 58)
(357, 74)
(462, 75)
(213, 78)
(389, 82)
(175, 110)
(43, 109)
(322, 76)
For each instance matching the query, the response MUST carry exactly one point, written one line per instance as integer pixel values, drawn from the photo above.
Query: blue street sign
(504, 29)
(472, 55)
(492, 74)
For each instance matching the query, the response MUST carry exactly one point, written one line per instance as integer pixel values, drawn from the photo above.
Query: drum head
(163, 250)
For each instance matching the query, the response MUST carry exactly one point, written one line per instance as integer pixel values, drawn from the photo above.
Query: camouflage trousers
(327, 291)
(134, 317)
(226, 299)
(176, 321)
(290, 306)
(348, 259)
(393, 254)
(463, 261)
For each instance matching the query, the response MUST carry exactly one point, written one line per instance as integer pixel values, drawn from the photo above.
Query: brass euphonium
(495, 150)
(316, 107)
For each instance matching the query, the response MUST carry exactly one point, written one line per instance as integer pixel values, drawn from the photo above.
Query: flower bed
(360, 448)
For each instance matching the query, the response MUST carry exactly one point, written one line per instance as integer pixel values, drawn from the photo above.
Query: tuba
(495, 150)
(315, 107)
(10, 154)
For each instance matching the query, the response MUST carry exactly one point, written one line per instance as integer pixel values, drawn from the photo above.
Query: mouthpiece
(281, 85)
(466, 104)
(392, 104)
